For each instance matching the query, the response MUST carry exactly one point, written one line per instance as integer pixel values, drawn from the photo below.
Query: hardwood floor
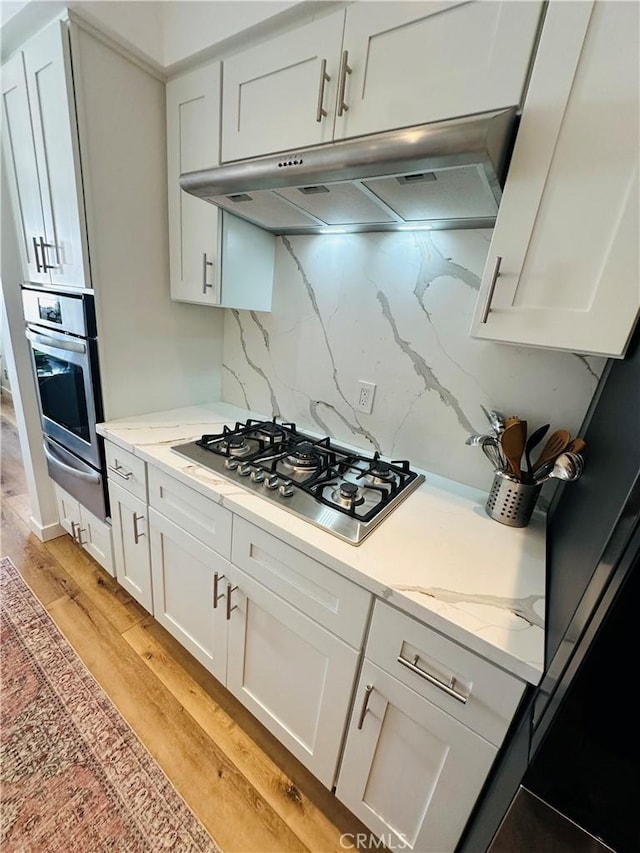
(249, 792)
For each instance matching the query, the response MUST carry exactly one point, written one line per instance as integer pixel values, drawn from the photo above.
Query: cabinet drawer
(126, 470)
(333, 601)
(201, 516)
(477, 693)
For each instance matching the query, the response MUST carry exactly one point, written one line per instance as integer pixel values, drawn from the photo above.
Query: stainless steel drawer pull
(230, 609)
(120, 471)
(344, 70)
(216, 596)
(205, 264)
(324, 78)
(365, 704)
(492, 287)
(136, 532)
(442, 685)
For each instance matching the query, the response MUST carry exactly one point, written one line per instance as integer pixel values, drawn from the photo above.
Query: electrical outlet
(366, 391)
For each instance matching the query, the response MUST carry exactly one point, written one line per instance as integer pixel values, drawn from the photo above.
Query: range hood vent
(442, 175)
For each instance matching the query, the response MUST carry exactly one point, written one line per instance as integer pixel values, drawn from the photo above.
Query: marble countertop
(437, 556)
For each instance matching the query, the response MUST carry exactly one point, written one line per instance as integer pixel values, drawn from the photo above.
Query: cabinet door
(95, 537)
(68, 511)
(413, 63)
(22, 172)
(563, 268)
(193, 128)
(276, 97)
(131, 544)
(291, 673)
(188, 592)
(410, 772)
(50, 85)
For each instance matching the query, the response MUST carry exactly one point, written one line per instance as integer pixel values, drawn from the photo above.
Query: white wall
(164, 33)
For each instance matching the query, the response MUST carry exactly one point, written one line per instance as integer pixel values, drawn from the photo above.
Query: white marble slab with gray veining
(437, 556)
(394, 309)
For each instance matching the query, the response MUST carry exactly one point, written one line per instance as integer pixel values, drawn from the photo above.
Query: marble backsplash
(394, 309)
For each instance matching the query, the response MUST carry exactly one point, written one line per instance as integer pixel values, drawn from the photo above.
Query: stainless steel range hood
(442, 175)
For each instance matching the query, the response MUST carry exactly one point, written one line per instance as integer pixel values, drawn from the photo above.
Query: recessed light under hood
(442, 175)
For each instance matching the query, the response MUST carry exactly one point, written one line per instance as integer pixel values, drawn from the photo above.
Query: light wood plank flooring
(249, 792)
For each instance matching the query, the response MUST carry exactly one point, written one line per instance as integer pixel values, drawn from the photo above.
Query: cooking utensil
(495, 418)
(491, 449)
(556, 443)
(566, 466)
(534, 439)
(477, 438)
(577, 445)
(511, 420)
(512, 443)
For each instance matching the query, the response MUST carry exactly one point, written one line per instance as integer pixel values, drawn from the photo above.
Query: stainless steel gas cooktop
(346, 493)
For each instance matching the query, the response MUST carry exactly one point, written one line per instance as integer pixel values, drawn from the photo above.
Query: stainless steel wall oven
(61, 328)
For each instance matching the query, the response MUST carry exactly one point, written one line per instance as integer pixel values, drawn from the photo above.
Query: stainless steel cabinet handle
(35, 250)
(81, 530)
(230, 609)
(120, 471)
(442, 685)
(43, 246)
(216, 596)
(205, 264)
(324, 78)
(136, 532)
(494, 278)
(365, 704)
(74, 533)
(344, 70)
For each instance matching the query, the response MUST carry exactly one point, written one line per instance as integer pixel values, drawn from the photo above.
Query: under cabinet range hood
(446, 174)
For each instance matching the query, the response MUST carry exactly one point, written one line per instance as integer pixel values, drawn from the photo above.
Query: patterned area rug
(73, 775)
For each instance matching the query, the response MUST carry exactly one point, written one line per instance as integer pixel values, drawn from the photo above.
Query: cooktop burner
(339, 490)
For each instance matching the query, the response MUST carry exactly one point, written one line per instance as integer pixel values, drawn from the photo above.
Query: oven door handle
(57, 343)
(81, 475)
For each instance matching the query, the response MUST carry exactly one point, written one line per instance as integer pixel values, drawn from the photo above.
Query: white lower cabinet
(410, 771)
(285, 635)
(86, 529)
(292, 674)
(129, 518)
(188, 592)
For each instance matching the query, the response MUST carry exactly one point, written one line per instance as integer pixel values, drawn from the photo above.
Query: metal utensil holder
(510, 501)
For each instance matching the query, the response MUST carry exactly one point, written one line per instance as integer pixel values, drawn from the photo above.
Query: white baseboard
(48, 532)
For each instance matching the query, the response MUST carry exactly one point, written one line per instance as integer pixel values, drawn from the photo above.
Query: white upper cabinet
(413, 63)
(374, 67)
(563, 269)
(277, 95)
(41, 146)
(215, 258)
(193, 129)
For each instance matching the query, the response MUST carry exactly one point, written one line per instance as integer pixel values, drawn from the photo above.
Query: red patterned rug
(73, 775)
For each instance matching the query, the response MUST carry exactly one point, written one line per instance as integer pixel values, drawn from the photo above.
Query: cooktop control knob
(244, 470)
(286, 489)
(231, 463)
(272, 481)
(257, 475)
